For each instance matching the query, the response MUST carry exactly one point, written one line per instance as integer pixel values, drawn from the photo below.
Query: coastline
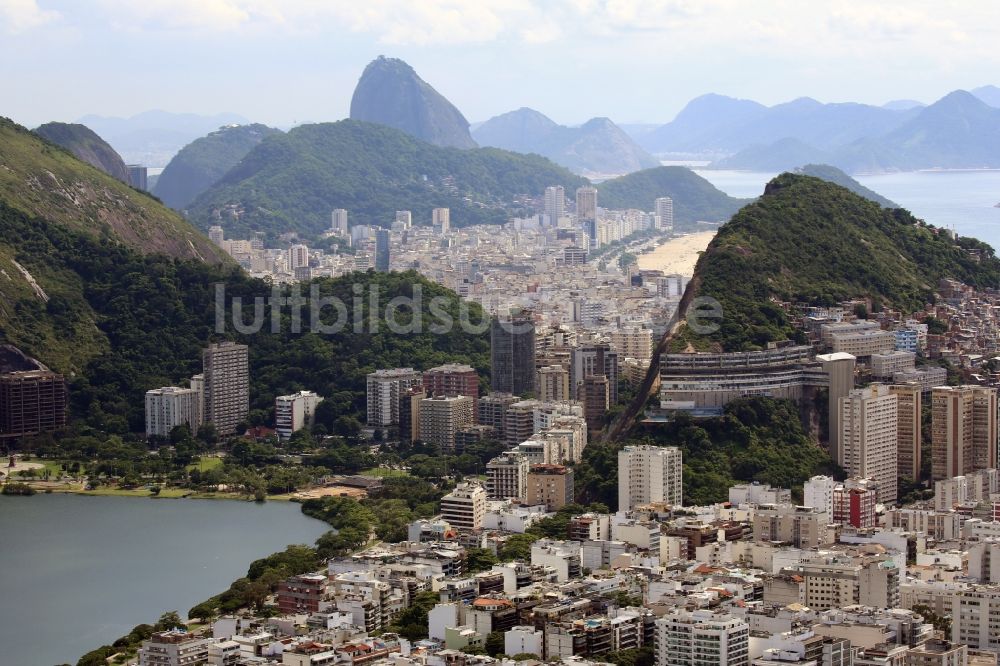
(678, 255)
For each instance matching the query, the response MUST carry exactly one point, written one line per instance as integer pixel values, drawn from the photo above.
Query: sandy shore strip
(678, 255)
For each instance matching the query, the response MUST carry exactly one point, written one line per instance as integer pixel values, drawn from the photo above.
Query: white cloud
(870, 21)
(21, 15)
(181, 14)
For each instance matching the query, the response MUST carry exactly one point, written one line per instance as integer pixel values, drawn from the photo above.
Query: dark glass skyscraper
(382, 250)
(512, 355)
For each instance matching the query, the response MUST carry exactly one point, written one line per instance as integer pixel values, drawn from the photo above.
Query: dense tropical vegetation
(813, 242)
(756, 439)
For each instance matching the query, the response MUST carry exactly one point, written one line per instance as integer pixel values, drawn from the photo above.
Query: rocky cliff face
(87, 146)
(390, 93)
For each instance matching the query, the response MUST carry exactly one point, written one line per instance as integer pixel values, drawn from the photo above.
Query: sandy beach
(678, 255)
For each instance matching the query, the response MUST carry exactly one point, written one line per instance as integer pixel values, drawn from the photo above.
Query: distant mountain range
(201, 163)
(87, 146)
(154, 137)
(598, 147)
(390, 93)
(961, 130)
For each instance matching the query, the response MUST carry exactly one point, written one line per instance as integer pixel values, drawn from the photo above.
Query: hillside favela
(499, 333)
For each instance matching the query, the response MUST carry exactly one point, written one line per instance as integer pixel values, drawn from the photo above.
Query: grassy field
(53, 467)
(205, 463)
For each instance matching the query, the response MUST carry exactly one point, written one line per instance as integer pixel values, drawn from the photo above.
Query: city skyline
(606, 57)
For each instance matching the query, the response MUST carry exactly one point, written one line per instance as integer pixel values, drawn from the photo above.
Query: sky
(284, 62)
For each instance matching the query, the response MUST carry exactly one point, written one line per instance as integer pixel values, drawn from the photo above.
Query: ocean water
(961, 200)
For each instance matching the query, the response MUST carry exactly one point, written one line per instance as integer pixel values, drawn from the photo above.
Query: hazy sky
(280, 61)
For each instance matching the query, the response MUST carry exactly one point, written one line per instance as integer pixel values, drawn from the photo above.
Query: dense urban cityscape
(394, 388)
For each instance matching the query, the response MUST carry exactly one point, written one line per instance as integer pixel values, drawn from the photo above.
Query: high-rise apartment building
(138, 176)
(32, 401)
(453, 379)
(382, 250)
(801, 526)
(441, 220)
(594, 360)
(551, 485)
(663, 208)
(172, 406)
(405, 218)
(632, 342)
(385, 389)
(464, 508)
(338, 222)
(294, 412)
(839, 368)
(868, 421)
(595, 394)
(701, 638)
(216, 235)
(854, 503)
(648, 474)
(963, 430)
(442, 416)
(409, 413)
(555, 203)
(493, 410)
(586, 204)
(909, 405)
(507, 476)
(298, 256)
(226, 372)
(553, 383)
(512, 355)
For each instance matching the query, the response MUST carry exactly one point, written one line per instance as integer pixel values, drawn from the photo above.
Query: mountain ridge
(201, 163)
(292, 181)
(598, 146)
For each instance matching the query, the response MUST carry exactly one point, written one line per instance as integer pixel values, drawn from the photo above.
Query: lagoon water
(962, 200)
(77, 572)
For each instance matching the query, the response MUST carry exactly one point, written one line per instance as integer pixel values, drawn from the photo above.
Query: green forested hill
(121, 323)
(201, 163)
(808, 240)
(695, 199)
(44, 180)
(293, 181)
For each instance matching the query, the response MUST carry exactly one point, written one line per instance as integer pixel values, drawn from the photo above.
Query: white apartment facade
(649, 474)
